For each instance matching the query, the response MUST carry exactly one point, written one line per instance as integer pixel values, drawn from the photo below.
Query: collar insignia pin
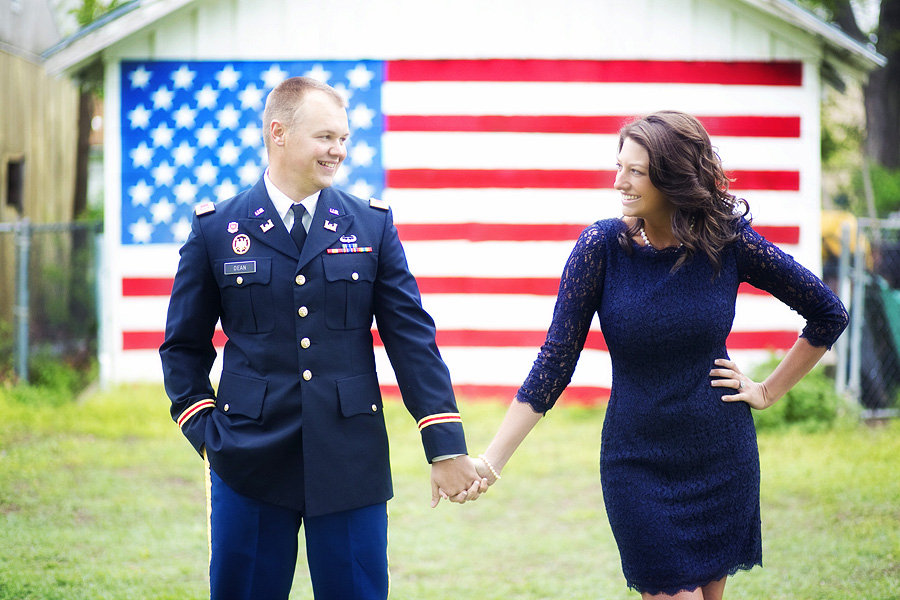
(259, 211)
(330, 226)
(334, 211)
(267, 226)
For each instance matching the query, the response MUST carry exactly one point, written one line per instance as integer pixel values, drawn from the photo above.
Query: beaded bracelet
(490, 467)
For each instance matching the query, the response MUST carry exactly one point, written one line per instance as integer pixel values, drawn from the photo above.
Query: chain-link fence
(867, 275)
(48, 295)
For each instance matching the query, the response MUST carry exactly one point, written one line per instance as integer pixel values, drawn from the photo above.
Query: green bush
(811, 405)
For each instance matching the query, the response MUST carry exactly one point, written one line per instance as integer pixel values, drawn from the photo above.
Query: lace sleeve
(580, 288)
(764, 265)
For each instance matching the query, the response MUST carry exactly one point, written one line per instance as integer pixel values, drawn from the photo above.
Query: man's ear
(277, 132)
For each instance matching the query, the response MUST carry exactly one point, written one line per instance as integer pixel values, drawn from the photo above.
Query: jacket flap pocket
(239, 395)
(359, 395)
(241, 273)
(350, 267)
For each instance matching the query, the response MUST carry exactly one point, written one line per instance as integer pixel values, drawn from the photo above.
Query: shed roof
(84, 47)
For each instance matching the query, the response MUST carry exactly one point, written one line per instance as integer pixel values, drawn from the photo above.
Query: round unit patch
(240, 244)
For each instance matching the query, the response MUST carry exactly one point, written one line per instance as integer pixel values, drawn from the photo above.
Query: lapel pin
(259, 211)
(232, 227)
(334, 211)
(330, 226)
(267, 226)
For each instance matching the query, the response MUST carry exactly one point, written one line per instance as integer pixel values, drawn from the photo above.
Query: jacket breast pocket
(349, 281)
(246, 288)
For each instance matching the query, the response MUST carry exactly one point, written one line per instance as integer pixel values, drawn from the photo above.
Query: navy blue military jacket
(297, 418)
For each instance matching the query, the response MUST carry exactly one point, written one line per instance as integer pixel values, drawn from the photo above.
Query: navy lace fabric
(679, 467)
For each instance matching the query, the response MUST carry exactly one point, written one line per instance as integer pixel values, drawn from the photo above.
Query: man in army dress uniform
(296, 271)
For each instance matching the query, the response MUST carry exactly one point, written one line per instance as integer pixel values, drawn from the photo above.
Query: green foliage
(811, 405)
(885, 188)
(91, 10)
(7, 351)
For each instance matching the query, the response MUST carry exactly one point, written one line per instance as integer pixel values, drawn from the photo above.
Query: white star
(181, 229)
(361, 189)
(228, 153)
(251, 97)
(228, 117)
(140, 77)
(206, 173)
(163, 174)
(185, 117)
(263, 155)
(251, 135)
(140, 193)
(142, 156)
(361, 116)
(141, 231)
(273, 76)
(185, 192)
(207, 136)
(139, 117)
(228, 78)
(183, 78)
(184, 154)
(360, 77)
(162, 211)
(226, 190)
(206, 97)
(361, 154)
(319, 73)
(162, 135)
(344, 93)
(249, 173)
(162, 99)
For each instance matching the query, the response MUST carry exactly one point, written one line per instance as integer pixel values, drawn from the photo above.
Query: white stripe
(539, 206)
(585, 99)
(152, 260)
(524, 312)
(553, 151)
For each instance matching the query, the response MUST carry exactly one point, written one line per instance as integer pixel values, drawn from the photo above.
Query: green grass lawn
(105, 499)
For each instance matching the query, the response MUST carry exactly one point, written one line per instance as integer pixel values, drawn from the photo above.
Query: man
(296, 271)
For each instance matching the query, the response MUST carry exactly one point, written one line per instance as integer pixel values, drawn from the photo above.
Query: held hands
(457, 480)
(746, 390)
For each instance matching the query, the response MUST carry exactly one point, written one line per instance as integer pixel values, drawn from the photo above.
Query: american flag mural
(492, 168)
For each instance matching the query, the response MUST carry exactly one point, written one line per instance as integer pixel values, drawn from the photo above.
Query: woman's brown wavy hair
(685, 167)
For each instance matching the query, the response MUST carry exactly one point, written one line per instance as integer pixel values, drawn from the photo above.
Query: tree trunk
(882, 93)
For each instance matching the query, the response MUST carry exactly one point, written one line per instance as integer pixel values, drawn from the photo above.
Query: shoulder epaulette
(377, 203)
(205, 208)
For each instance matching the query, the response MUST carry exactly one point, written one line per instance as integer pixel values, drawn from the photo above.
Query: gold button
(374, 408)
(302, 311)
(307, 375)
(240, 280)
(304, 343)
(226, 407)
(300, 279)
(355, 276)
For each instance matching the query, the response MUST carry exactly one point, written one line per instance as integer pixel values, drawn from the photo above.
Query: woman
(679, 464)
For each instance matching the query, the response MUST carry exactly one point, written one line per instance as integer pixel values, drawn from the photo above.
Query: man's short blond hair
(285, 99)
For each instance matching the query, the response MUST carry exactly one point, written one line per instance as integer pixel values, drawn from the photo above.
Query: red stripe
(147, 286)
(580, 395)
(481, 338)
(152, 340)
(538, 286)
(505, 232)
(750, 126)
(781, 73)
(561, 179)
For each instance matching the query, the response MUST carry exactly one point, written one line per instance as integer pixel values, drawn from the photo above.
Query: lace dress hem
(690, 587)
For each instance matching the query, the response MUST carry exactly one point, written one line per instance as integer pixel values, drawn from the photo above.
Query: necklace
(647, 241)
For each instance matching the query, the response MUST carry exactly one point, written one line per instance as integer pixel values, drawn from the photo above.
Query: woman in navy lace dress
(679, 464)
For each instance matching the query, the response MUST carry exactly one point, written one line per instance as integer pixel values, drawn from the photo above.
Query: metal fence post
(20, 311)
(857, 314)
(842, 346)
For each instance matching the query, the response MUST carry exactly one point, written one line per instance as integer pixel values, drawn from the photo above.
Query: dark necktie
(298, 233)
